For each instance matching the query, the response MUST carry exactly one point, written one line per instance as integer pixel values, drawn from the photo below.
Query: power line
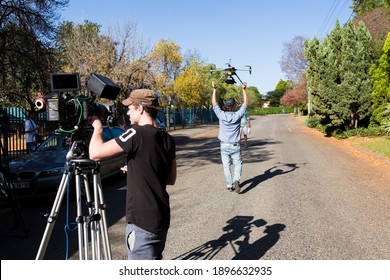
(328, 17)
(342, 9)
(334, 12)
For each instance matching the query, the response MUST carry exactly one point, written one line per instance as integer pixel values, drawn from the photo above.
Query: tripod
(92, 226)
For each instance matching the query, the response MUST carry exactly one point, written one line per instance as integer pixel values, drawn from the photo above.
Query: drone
(229, 72)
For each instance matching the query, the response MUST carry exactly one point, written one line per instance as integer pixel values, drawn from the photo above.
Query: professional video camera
(71, 110)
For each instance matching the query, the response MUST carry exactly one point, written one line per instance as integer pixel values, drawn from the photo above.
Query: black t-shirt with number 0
(150, 152)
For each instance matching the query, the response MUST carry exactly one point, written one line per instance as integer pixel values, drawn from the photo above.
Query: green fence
(173, 118)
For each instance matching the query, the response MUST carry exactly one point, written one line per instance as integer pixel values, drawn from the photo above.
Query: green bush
(312, 122)
(362, 131)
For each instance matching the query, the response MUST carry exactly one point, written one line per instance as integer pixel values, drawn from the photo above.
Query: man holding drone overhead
(229, 134)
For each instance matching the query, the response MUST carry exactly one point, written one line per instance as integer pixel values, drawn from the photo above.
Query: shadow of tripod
(93, 241)
(236, 228)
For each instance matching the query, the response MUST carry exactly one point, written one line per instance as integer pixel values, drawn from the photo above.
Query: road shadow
(276, 170)
(198, 152)
(236, 236)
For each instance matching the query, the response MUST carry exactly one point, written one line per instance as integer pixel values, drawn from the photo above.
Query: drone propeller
(229, 72)
(249, 69)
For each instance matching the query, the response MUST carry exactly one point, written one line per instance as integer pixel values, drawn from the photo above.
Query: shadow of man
(278, 169)
(257, 249)
(236, 228)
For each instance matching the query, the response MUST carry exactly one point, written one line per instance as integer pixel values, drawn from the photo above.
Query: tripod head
(78, 142)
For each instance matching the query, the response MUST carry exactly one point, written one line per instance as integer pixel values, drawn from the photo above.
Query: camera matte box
(103, 87)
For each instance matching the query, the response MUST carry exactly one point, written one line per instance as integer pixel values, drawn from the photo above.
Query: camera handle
(92, 226)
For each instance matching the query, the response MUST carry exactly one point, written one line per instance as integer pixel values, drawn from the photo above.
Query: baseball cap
(229, 102)
(140, 96)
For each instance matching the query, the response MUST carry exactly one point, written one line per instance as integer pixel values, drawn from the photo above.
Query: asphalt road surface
(304, 197)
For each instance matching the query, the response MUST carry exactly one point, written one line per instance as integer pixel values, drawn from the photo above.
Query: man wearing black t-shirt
(151, 166)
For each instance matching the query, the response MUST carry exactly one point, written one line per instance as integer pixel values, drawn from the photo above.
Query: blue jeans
(231, 153)
(144, 245)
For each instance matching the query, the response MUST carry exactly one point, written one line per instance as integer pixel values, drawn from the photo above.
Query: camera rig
(229, 72)
(71, 110)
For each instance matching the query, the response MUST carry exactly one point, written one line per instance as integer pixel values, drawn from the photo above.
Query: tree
(294, 62)
(377, 21)
(118, 54)
(166, 62)
(275, 95)
(376, 16)
(26, 53)
(86, 51)
(338, 81)
(386, 124)
(39, 17)
(296, 97)
(356, 86)
(284, 85)
(254, 96)
(312, 72)
(380, 75)
(190, 86)
(323, 74)
(363, 6)
(132, 67)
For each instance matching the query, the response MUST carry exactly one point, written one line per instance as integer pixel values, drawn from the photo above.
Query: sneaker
(236, 187)
(230, 189)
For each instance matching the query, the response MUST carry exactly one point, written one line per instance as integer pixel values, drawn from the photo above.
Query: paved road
(303, 196)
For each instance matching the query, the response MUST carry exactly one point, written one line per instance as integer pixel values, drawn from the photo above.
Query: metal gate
(13, 137)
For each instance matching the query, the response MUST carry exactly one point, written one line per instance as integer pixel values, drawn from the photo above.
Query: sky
(242, 32)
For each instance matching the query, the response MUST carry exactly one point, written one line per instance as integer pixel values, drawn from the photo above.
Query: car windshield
(54, 142)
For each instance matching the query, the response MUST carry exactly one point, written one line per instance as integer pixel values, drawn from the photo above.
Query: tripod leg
(96, 221)
(53, 214)
(103, 221)
(92, 221)
(82, 235)
(90, 211)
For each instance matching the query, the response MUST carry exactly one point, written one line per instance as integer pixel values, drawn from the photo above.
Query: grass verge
(377, 145)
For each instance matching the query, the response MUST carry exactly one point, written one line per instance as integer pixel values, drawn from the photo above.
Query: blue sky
(247, 32)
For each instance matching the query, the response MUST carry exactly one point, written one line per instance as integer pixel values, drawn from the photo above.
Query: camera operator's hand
(96, 123)
(244, 85)
(213, 85)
